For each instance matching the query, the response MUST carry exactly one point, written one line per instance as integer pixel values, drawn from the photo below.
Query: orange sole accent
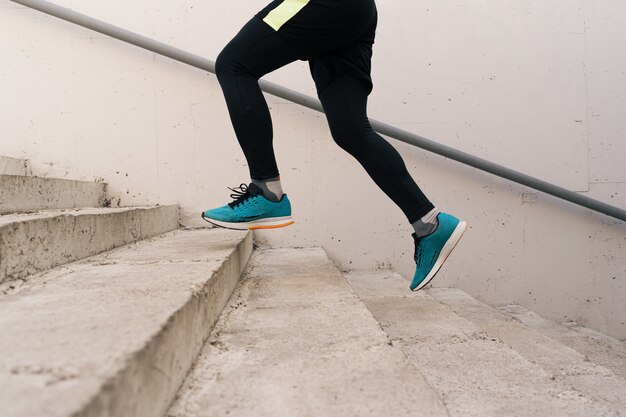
(270, 227)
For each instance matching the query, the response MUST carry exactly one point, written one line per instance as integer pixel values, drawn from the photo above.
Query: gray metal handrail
(312, 103)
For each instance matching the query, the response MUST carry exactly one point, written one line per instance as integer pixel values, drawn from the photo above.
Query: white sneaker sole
(269, 223)
(454, 238)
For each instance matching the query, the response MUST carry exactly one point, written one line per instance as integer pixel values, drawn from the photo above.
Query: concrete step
(34, 242)
(296, 341)
(24, 193)
(595, 347)
(14, 166)
(564, 363)
(115, 335)
(476, 372)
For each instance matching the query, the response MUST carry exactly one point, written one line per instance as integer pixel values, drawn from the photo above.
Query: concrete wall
(538, 86)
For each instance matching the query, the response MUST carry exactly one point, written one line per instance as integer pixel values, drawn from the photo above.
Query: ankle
(427, 224)
(271, 188)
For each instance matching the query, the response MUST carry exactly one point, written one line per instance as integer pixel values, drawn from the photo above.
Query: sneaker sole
(270, 223)
(450, 244)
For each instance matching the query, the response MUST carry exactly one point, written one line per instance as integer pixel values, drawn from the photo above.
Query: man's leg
(255, 51)
(345, 103)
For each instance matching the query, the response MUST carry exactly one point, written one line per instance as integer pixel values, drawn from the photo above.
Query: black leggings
(257, 50)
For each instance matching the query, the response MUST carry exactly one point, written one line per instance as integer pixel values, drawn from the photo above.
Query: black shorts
(335, 36)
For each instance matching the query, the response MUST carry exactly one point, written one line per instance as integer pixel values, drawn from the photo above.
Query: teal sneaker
(250, 210)
(431, 251)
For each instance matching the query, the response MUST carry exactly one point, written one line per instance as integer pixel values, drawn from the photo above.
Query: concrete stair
(595, 347)
(295, 340)
(14, 166)
(603, 382)
(34, 242)
(112, 334)
(484, 363)
(19, 193)
(115, 334)
(46, 222)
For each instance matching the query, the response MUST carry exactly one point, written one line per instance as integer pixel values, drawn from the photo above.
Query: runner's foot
(431, 251)
(250, 210)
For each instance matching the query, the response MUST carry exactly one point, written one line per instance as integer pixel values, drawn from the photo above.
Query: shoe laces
(239, 194)
(419, 251)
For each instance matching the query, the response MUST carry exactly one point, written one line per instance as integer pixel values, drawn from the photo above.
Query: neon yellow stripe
(285, 11)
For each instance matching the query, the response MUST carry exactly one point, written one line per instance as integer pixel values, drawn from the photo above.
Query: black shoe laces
(417, 256)
(240, 194)
(420, 253)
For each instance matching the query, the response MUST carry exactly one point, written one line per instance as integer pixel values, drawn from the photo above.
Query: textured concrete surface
(34, 242)
(14, 166)
(23, 193)
(296, 341)
(561, 361)
(596, 347)
(115, 335)
(475, 372)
